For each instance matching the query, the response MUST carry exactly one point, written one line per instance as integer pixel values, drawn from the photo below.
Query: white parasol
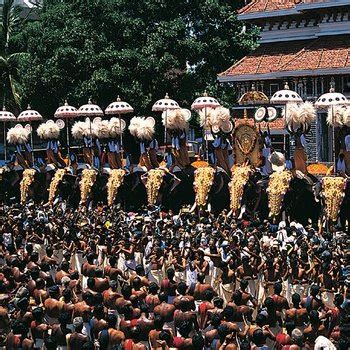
(6, 117)
(162, 105)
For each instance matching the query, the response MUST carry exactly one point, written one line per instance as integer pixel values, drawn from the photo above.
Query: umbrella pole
(31, 141)
(205, 137)
(5, 153)
(121, 139)
(166, 126)
(67, 129)
(333, 141)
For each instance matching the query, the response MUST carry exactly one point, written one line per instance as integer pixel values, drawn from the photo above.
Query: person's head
(201, 277)
(91, 283)
(258, 337)
(99, 312)
(126, 291)
(237, 297)
(228, 313)
(98, 272)
(89, 345)
(198, 341)
(170, 273)
(296, 300)
(65, 266)
(139, 270)
(208, 295)
(270, 303)
(165, 336)
(338, 300)
(163, 297)
(158, 322)
(136, 283)
(112, 261)
(218, 302)
(261, 319)
(297, 337)
(290, 325)
(54, 292)
(64, 318)
(39, 283)
(38, 314)
(215, 320)
(243, 284)
(182, 288)
(277, 288)
(185, 328)
(78, 324)
(314, 318)
(49, 251)
(144, 308)
(50, 343)
(314, 290)
(90, 258)
(128, 311)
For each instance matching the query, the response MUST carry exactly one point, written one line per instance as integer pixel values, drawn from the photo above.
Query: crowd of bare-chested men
(103, 279)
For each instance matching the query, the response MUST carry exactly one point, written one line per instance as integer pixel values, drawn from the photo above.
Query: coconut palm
(11, 91)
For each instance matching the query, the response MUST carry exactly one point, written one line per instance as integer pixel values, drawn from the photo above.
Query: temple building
(304, 43)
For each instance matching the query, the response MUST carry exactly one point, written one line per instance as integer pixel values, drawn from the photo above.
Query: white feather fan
(335, 115)
(346, 116)
(115, 127)
(103, 129)
(177, 119)
(135, 123)
(80, 129)
(307, 112)
(41, 130)
(299, 115)
(145, 130)
(17, 136)
(222, 115)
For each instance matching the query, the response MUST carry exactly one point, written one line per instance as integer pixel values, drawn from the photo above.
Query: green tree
(137, 49)
(10, 59)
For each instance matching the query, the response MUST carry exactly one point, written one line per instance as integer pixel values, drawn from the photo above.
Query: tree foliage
(136, 49)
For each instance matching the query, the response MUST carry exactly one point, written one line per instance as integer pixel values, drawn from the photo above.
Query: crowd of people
(105, 279)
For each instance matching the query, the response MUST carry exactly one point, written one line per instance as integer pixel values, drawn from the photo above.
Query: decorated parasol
(66, 112)
(118, 108)
(30, 115)
(90, 110)
(329, 101)
(164, 105)
(6, 117)
(205, 102)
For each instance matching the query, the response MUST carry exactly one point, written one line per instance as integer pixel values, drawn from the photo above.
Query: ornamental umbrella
(285, 96)
(205, 102)
(118, 108)
(66, 112)
(30, 115)
(329, 101)
(90, 110)
(5, 117)
(162, 105)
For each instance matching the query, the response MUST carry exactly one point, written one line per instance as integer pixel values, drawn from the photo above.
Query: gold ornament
(154, 180)
(54, 184)
(277, 188)
(115, 180)
(240, 177)
(333, 194)
(203, 180)
(88, 179)
(27, 180)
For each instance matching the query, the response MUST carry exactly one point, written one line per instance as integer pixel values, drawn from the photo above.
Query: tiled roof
(268, 5)
(322, 53)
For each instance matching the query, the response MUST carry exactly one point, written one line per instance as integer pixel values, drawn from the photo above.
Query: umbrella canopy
(253, 97)
(90, 110)
(205, 101)
(66, 111)
(285, 96)
(6, 116)
(331, 98)
(165, 104)
(119, 107)
(29, 115)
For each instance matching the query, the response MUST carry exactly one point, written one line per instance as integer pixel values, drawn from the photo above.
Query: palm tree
(11, 89)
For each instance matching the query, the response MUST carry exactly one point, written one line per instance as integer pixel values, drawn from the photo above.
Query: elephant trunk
(27, 180)
(115, 180)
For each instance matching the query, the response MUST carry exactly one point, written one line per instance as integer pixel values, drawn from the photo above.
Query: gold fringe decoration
(115, 180)
(203, 180)
(54, 184)
(154, 180)
(277, 188)
(88, 178)
(333, 194)
(27, 180)
(240, 177)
